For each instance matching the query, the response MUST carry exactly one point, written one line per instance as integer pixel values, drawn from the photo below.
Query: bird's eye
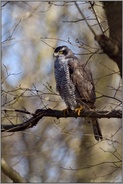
(61, 52)
(64, 52)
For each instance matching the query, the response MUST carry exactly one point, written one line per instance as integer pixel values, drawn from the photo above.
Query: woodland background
(57, 150)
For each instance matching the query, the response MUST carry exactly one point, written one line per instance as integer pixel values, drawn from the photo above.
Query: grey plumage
(74, 83)
(64, 85)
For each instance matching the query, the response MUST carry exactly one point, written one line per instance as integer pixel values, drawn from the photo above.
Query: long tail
(96, 129)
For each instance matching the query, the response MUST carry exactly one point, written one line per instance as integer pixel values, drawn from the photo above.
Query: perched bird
(75, 84)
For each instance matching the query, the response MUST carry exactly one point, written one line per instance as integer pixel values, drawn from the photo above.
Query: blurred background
(56, 150)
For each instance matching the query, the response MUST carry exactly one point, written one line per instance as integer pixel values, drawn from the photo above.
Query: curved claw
(79, 109)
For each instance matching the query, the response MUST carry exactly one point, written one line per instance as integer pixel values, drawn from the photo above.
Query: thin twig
(96, 17)
(85, 19)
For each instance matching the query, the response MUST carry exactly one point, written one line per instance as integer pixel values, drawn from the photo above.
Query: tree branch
(112, 45)
(85, 19)
(40, 113)
(11, 173)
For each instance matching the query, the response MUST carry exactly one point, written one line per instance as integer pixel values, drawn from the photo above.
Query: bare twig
(85, 19)
(5, 4)
(97, 18)
(10, 37)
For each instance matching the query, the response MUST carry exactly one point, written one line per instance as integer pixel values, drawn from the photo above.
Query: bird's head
(62, 51)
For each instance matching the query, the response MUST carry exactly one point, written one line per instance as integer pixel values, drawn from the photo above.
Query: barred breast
(64, 85)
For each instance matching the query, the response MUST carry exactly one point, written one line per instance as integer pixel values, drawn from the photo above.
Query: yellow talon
(79, 109)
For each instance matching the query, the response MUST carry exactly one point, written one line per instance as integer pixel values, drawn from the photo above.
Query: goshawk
(74, 83)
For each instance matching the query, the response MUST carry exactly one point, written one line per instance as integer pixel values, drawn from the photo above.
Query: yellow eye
(61, 52)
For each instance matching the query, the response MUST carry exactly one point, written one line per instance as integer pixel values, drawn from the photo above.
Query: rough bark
(112, 45)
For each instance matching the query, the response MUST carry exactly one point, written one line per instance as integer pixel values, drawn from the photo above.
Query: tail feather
(96, 129)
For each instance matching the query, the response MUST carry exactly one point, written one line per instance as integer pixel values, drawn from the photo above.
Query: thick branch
(11, 173)
(112, 46)
(40, 113)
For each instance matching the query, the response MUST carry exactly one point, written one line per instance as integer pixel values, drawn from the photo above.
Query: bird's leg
(79, 109)
(66, 111)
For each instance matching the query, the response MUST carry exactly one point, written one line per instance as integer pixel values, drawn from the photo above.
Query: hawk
(75, 84)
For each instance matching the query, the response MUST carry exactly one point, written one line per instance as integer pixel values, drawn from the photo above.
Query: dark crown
(61, 48)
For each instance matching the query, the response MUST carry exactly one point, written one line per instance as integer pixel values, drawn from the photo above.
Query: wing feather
(83, 81)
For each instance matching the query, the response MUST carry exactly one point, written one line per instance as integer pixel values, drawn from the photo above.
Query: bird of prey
(75, 84)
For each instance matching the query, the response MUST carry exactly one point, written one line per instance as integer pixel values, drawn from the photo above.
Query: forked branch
(40, 113)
